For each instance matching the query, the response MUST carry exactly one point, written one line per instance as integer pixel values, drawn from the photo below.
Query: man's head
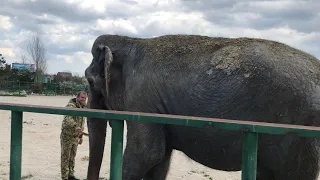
(82, 97)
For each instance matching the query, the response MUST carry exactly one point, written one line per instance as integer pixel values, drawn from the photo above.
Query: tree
(24, 59)
(37, 51)
(2, 61)
(5, 69)
(6, 74)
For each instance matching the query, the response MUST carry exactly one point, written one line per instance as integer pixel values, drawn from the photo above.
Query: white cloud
(92, 5)
(5, 23)
(69, 27)
(67, 59)
(83, 57)
(162, 22)
(7, 52)
(119, 25)
(280, 5)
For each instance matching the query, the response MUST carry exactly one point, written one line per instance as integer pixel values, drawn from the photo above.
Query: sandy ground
(41, 148)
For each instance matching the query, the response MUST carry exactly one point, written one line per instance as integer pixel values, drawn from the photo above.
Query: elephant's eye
(90, 81)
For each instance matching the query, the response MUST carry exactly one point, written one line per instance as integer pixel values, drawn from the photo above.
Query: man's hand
(80, 140)
(79, 131)
(110, 123)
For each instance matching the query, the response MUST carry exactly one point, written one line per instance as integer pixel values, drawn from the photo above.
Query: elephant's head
(98, 72)
(104, 74)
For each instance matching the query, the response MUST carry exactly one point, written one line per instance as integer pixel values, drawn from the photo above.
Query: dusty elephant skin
(247, 79)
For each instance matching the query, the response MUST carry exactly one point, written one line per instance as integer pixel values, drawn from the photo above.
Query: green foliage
(5, 69)
(22, 76)
(70, 79)
(18, 80)
(42, 88)
(2, 61)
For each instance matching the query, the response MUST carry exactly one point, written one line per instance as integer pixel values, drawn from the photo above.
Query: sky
(68, 28)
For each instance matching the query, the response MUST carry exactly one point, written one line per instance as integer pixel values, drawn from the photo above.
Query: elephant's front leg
(146, 148)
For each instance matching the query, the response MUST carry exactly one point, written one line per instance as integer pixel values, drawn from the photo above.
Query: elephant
(242, 78)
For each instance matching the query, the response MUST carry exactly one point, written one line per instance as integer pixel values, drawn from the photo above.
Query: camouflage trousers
(69, 147)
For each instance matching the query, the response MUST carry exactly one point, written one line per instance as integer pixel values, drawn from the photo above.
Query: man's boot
(73, 178)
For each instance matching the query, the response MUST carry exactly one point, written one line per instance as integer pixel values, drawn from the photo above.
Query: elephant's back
(233, 78)
(250, 58)
(184, 52)
(238, 78)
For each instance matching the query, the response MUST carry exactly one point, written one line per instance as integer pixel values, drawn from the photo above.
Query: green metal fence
(16, 87)
(250, 131)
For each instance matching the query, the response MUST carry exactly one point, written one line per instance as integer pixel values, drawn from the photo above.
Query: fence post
(249, 156)
(16, 145)
(46, 89)
(55, 89)
(116, 150)
(19, 89)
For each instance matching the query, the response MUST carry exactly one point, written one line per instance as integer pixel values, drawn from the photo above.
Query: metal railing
(249, 128)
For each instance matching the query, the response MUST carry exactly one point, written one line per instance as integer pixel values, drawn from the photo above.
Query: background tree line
(37, 52)
(6, 74)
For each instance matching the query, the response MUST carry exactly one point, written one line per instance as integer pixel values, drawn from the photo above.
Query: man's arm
(69, 120)
(82, 123)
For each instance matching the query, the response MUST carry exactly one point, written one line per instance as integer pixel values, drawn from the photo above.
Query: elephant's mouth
(107, 103)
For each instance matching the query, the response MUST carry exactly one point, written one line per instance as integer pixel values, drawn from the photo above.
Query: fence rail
(249, 128)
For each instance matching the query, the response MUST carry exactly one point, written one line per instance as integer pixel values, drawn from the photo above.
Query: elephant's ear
(107, 58)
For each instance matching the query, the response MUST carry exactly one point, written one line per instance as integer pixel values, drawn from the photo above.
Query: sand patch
(41, 148)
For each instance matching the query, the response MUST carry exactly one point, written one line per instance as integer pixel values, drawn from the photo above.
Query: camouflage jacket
(70, 123)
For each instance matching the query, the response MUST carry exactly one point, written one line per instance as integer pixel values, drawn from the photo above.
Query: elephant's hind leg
(299, 161)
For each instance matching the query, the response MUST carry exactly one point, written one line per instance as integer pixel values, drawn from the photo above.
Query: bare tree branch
(24, 59)
(37, 51)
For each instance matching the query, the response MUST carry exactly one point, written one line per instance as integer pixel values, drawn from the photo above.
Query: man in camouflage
(71, 136)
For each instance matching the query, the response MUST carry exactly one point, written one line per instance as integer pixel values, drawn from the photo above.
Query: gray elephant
(231, 78)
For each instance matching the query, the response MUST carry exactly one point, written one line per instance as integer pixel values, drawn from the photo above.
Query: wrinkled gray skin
(247, 79)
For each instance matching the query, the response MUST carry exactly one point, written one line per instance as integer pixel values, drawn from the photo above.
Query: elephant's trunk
(97, 134)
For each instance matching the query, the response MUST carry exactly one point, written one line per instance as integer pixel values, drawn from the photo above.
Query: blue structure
(19, 66)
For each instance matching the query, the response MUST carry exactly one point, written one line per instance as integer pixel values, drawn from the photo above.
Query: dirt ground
(41, 148)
